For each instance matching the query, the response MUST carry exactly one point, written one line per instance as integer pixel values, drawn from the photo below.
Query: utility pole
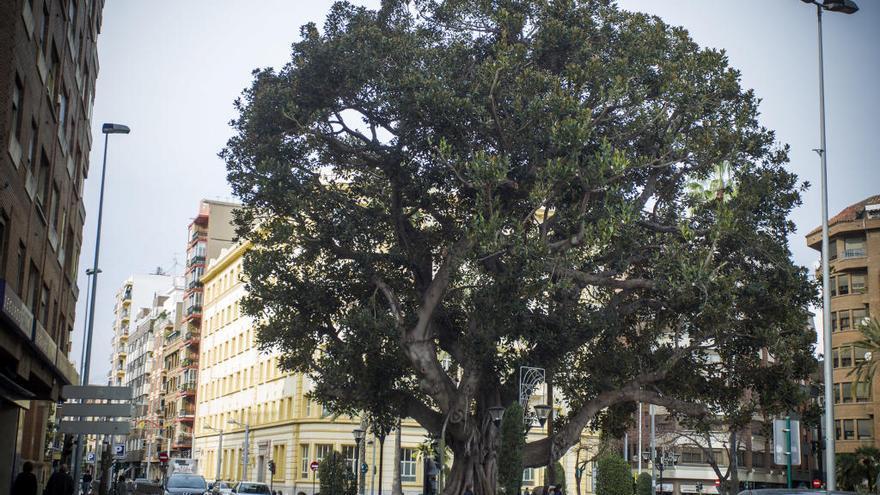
(653, 450)
(639, 449)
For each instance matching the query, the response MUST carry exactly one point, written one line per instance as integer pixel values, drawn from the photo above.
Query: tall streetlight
(358, 438)
(247, 445)
(219, 451)
(846, 7)
(107, 129)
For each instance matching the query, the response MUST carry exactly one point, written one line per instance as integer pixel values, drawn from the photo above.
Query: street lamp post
(247, 445)
(846, 7)
(219, 450)
(358, 438)
(107, 129)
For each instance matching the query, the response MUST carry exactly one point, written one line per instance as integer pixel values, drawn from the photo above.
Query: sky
(171, 70)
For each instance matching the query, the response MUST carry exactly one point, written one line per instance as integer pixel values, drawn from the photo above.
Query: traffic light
(272, 467)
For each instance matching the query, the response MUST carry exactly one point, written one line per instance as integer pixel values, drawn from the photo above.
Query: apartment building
(854, 255)
(49, 63)
(134, 295)
(145, 375)
(209, 232)
(241, 387)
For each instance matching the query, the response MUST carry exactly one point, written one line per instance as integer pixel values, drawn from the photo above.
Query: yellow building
(240, 386)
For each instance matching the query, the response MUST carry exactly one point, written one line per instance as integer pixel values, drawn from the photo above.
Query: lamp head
(542, 411)
(109, 128)
(358, 434)
(496, 413)
(844, 6)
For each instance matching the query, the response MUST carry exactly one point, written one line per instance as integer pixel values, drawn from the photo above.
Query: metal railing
(854, 253)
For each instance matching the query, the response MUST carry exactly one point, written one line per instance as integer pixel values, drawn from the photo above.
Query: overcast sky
(171, 69)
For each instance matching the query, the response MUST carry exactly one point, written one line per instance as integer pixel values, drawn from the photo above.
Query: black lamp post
(358, 438)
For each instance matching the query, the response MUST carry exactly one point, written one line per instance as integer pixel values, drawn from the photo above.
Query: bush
(643, 484)
(335, 476)
(513, 440)
(613, 476)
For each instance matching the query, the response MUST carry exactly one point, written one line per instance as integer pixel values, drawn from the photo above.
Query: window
(842, 285)
(834, 321)
(304, 461)
(407, 465)
(43, 39)
(17, 110)
(859, 354)
(832, 250)
(858, 316)
(844, 321)
(62, 111)
(857, 282)
(348, 452)
(528, 476)
(34, 281)
(865, 428)
(836, 394)
(837, 429)
(4, 242)
(863, 392)
(835, 363)
(846, 392)
(849, 432)
(32, 147)
(55, 207)
(854, 247)
(43, 180)
(279, 455)
(322, 451)
(44, 305)
(845, 357)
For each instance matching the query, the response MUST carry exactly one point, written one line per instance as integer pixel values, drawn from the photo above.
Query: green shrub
(335, 476)
(613, 476)
(513, 440)
(643, 484)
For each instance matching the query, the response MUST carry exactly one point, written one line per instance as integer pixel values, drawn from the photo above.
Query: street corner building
(48, 65)
(854, 264)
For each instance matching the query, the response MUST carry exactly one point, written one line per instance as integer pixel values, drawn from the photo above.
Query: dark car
(185, 484)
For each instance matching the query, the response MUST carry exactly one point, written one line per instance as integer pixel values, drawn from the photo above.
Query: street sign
(90, 457)
(717, 482)
(95, 427)
(96, 392)
(119, 450)
(364, 468)
(314, 466)
(780, 449)
(163, 456)
(96, 410)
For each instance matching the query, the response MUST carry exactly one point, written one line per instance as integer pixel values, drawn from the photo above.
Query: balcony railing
(195, 284)
(854, 253)
(193, 310)
(197, 260)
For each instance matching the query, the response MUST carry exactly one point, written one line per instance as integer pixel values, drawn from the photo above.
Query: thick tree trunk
(474, 464)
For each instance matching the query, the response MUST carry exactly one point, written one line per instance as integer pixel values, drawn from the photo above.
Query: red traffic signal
(717, 482)
(817, 483)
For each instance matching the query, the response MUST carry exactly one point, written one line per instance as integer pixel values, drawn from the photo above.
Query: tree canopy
(439, 192)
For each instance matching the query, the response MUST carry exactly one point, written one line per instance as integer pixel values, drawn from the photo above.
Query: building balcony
(196, 260)
(123, 337)
(195, 284)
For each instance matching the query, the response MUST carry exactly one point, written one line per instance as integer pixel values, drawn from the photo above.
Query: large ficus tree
(439, 192)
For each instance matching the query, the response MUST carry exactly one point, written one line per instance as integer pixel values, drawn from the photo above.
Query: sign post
(788, 450)
(787, 444)
(314, 468)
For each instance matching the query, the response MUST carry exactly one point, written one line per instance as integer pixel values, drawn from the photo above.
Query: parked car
(185, 484)
(793, 491)
(252, 487)
(221, 486)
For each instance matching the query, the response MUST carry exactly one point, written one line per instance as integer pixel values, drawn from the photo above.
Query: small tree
(335, 475)
(643, 484)
(613, 476)
(510, 467)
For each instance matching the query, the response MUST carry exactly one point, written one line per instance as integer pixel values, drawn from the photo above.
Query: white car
(252, 487)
